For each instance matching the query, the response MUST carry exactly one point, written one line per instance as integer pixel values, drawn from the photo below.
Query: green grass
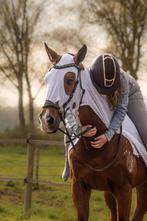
(48, 203)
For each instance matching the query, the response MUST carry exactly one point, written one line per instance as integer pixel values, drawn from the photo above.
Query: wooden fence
(31, 143)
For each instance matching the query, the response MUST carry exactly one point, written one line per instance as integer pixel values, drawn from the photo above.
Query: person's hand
(89, 133)
(99, 141)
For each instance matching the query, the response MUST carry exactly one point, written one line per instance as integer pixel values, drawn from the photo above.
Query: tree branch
(8, 77)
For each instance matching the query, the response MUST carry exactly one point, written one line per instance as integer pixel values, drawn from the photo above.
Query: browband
(66, 66)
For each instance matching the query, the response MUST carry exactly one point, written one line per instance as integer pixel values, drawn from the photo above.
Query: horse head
(62, 87)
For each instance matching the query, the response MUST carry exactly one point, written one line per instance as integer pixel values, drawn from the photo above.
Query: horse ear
(79, 57)
(53, 56)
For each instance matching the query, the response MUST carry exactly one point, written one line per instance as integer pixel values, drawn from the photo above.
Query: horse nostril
(50, 120)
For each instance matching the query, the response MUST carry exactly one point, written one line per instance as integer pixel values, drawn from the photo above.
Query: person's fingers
(96, 143)
(92, 129)
(103, 138)
(98, 138)
(97, 146)
(86, 126)
(91, 132)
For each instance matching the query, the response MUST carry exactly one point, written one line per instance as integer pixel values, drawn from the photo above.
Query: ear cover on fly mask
(79, 57)
(53, 56)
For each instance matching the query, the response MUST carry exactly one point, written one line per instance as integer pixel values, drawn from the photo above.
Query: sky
(57, 13)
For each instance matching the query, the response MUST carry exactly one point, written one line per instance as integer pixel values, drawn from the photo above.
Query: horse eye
(69, 81)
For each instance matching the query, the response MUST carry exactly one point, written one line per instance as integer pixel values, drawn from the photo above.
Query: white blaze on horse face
(43, 121)
(54, 80)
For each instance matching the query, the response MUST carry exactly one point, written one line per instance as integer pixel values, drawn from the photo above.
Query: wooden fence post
(37, 153)
(29, 179)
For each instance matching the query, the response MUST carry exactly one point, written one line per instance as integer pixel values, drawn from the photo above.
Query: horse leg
(141, 203)
(81, 196)
(123, 197)
(111, 203)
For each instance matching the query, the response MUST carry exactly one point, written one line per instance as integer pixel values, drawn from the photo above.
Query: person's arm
(121, 109)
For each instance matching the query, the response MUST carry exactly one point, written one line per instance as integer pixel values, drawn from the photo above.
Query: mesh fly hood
(54, 80)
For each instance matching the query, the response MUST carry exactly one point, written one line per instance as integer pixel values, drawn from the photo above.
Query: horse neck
(88, 117)
(97, 156)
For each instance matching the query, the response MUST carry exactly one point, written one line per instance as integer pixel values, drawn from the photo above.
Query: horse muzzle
(48, 122)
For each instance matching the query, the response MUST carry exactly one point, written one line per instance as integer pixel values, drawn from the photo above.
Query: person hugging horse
(123, 96)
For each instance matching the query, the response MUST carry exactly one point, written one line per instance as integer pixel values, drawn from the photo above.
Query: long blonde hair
(114, 98)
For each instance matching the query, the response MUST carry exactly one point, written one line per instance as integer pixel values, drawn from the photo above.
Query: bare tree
(30, 21)
(65, 38)
(125, 22)
(18, 20)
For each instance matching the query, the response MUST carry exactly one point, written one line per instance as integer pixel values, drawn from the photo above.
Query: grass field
(49, 203)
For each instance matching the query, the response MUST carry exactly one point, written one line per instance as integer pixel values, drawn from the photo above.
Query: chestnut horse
(119, 173)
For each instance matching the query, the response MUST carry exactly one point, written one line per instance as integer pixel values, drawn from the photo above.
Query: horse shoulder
(133, 166)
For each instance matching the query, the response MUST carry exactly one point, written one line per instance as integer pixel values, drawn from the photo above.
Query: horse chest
(94, 180)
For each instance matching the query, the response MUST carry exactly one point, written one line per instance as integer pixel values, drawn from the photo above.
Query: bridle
(62, 111)
(78, 81)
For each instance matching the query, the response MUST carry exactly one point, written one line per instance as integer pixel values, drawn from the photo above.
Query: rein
(61, 112)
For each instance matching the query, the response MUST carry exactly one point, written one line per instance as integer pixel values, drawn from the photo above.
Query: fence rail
(31, 141)
(47, 182)
(29, 181)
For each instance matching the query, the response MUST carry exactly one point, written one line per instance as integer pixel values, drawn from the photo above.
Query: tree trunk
(31, 102)
(20, 106)
(127, 65)
(31, 110)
